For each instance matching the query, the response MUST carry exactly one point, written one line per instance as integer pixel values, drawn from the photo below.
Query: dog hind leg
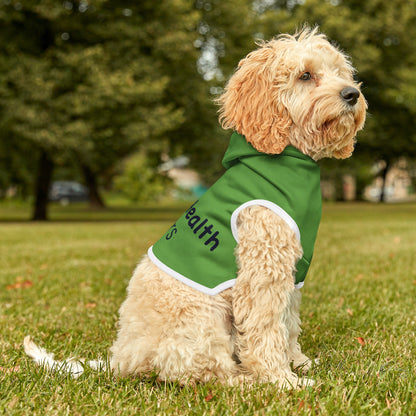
(170, 328)
(197, 351)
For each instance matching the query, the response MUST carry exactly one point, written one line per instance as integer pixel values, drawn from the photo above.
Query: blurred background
(106, 100)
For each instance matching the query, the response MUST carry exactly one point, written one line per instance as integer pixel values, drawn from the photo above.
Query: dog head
(295, 90)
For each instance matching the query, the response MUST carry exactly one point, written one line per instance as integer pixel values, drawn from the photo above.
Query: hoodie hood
(239, 149)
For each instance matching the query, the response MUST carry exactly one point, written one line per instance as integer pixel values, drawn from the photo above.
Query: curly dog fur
(294, 90)
(249, 332)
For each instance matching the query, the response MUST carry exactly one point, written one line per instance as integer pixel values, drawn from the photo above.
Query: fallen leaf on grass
(91, 305)
(360, 340)
(359, 277)
(350, 312)
(209, 397)
(20, 285)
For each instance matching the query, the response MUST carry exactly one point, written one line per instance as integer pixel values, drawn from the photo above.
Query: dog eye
(306, 76)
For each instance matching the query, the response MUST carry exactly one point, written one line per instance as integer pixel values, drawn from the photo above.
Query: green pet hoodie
(199, 248)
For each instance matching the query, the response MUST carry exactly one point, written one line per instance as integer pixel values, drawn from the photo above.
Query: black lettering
(191, 211)
(170, 233)
(207, 229)
(200, 225)
(194, 220)
(172, 230)
(213, 239)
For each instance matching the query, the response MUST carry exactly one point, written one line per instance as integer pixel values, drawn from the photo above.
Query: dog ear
(250, 103)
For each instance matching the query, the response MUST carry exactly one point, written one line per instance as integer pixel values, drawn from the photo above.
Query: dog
(217, 297)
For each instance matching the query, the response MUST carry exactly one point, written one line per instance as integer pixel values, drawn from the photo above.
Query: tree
(223, 35)
(90, 83)
(79, 83)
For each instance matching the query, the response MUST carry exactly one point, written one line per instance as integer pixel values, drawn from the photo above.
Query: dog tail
(72, 366)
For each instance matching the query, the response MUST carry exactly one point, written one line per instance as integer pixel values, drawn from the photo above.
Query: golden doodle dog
(217, 297)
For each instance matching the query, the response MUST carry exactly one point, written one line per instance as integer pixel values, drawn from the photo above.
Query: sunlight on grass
(63, 282)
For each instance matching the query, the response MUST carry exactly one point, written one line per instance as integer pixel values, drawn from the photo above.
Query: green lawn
(62, 282)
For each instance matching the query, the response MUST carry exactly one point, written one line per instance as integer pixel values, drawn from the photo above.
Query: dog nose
(350, 95)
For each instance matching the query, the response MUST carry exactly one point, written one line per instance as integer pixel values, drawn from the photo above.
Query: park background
(117, 96)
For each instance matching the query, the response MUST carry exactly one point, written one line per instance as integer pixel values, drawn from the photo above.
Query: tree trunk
(42, 185)
(384, 177)
(90, 178)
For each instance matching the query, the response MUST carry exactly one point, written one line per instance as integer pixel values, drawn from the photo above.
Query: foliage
(223, 37)
(85, 83)
(87, 92)
(63, 284)
(139, 181)
(92, 82)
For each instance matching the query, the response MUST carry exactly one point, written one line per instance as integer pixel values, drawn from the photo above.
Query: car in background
(68, 191)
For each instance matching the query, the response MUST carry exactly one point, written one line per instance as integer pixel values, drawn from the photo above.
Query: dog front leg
(292, 320)
(266, 254)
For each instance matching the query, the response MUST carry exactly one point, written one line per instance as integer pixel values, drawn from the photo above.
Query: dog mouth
(346, 120)
(347, 116)
(332, 124)
(327, 124)
(338, 135)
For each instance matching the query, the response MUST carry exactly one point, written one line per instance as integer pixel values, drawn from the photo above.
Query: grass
(62, 282)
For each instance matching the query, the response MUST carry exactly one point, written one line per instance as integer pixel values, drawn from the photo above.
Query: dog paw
(304, 364)
(295, 382)
(306, 382)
